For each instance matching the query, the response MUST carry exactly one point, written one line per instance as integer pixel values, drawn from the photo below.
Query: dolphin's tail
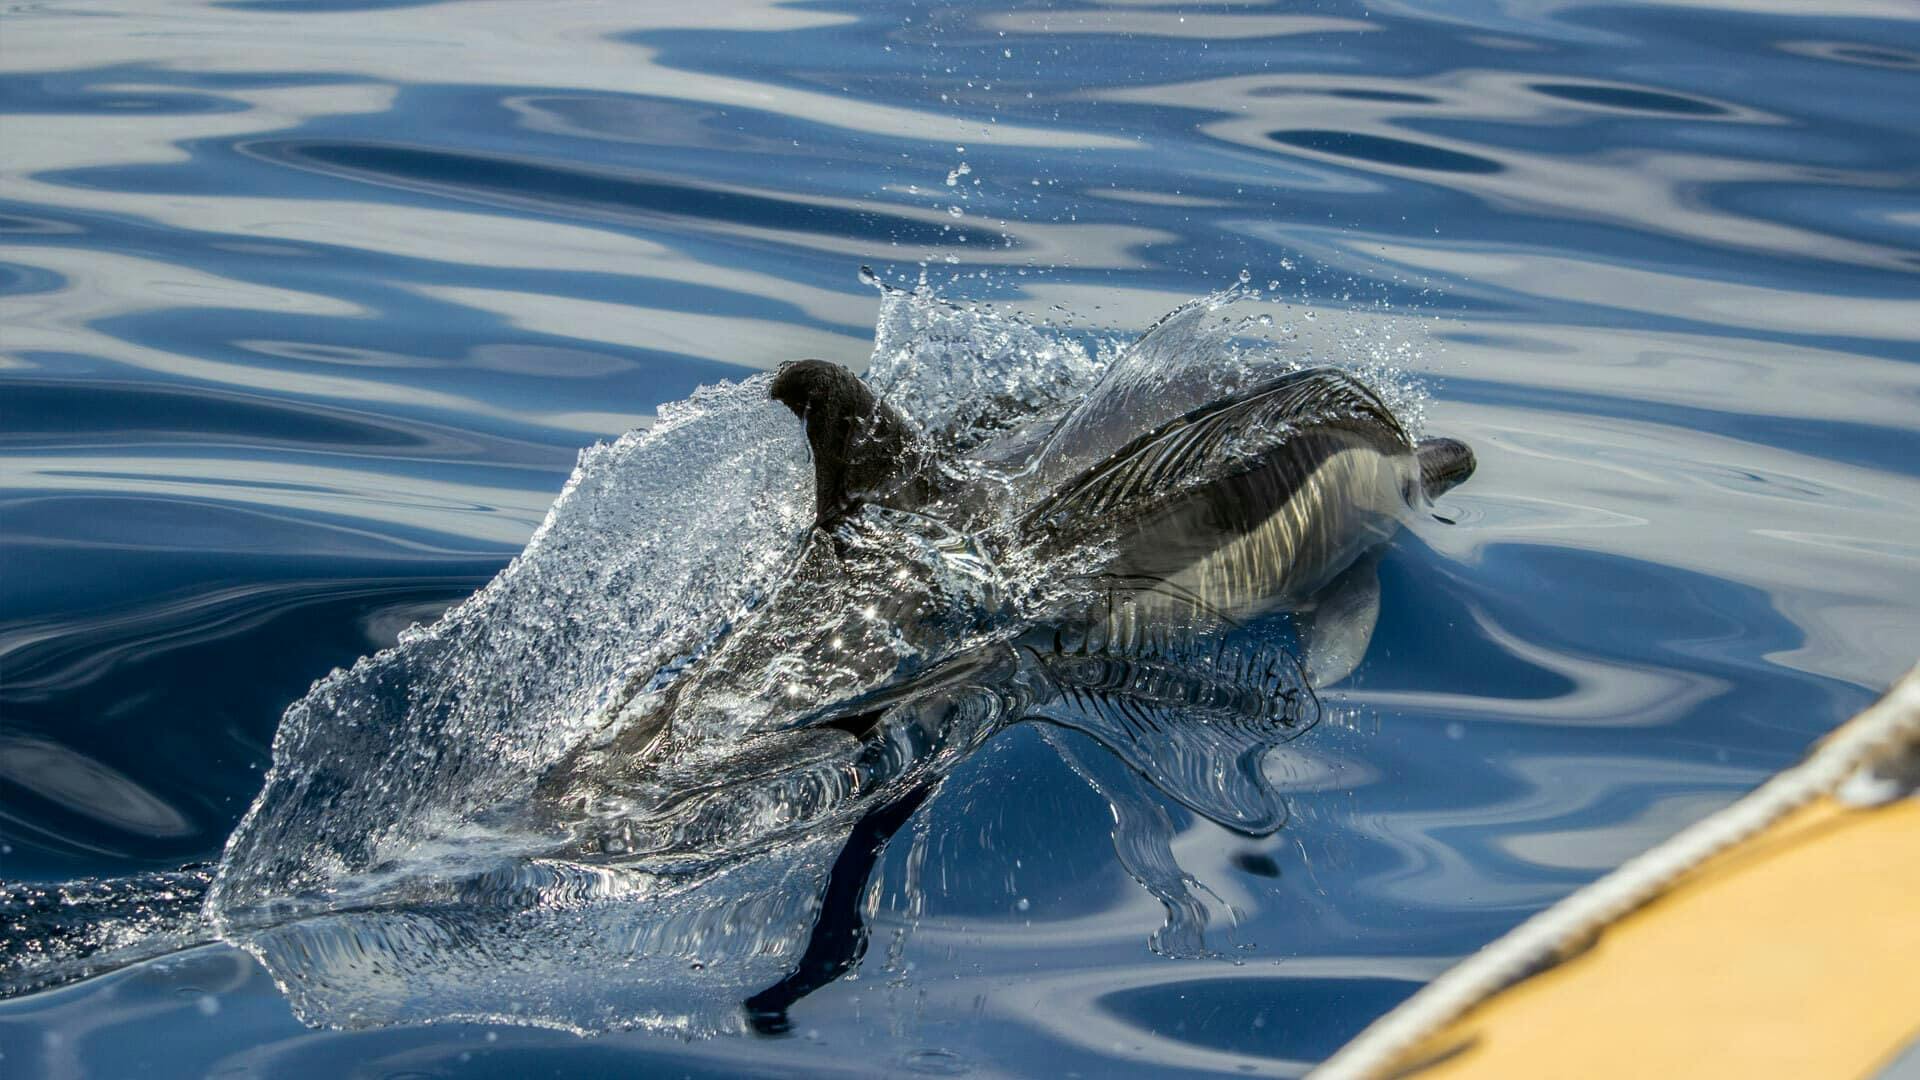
(1444, 463)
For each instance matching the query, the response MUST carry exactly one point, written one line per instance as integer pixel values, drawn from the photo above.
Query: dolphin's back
(1252, 501)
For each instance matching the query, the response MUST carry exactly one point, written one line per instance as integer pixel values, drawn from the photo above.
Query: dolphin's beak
(1444, 464)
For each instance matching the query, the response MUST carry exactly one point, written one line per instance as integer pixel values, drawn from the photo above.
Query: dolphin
(891, 623)
(1255, 502)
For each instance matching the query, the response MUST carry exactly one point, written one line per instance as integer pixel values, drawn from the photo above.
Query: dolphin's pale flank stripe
(1253, 502)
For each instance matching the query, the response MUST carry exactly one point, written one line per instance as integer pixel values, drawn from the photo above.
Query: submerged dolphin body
(1254, 502)
(1274, 497)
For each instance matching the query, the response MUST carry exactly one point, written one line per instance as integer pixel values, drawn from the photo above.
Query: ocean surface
(308, 309)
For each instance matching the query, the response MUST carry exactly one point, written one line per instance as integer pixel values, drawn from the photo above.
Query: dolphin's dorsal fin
(863, 449)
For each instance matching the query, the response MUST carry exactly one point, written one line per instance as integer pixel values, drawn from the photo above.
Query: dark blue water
(306, 309)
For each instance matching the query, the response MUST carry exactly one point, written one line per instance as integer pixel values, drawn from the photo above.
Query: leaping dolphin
(1259, 501)
(1255, 502)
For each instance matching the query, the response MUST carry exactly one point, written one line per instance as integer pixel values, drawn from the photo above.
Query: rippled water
(307, 308)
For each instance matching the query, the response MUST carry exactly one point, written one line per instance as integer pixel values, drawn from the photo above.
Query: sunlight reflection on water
(309, 306)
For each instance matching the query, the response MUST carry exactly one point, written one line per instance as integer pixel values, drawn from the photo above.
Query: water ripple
(309, 305)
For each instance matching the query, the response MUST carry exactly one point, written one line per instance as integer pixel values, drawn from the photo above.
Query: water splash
(55, 934)
(655, 543)
(642, 777)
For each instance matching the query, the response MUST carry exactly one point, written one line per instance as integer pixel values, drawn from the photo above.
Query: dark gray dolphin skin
(1252, 502)
(1256, 502)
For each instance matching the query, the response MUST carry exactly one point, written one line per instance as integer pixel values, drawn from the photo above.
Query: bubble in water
(934, 1061)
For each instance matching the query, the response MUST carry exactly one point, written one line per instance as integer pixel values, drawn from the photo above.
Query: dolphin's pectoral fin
(1335, 632)
(1197, 724)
